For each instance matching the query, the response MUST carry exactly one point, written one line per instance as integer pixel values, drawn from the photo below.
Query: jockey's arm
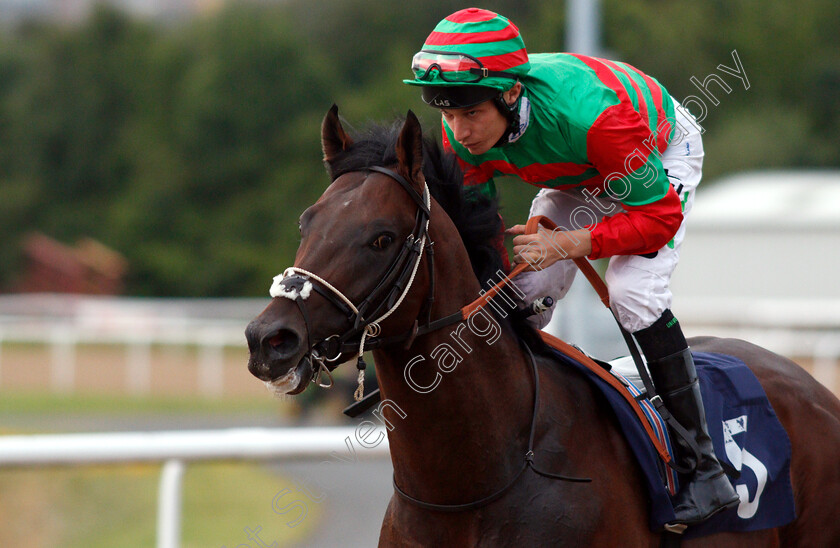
(546, 248)
(635, 231)
(618, 147)
(623, 149)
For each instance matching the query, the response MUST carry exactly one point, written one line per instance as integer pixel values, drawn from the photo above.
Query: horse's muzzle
(276, 349)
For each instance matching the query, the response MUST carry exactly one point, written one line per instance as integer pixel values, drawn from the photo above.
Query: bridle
(297, 284)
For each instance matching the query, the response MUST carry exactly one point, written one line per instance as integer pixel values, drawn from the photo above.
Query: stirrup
(538, 306)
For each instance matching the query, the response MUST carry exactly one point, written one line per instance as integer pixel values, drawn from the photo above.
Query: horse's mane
(475, 215)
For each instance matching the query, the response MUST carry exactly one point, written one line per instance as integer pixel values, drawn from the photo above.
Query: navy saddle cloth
(746, 434)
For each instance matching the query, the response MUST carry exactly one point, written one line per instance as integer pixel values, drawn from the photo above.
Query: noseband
(297, 284)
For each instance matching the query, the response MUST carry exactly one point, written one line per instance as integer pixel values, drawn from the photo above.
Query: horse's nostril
(284, 343)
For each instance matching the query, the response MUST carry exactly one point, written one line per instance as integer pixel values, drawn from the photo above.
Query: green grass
(40, 403)
(115, 506)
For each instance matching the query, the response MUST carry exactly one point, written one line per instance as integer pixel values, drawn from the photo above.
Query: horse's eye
(383, 241)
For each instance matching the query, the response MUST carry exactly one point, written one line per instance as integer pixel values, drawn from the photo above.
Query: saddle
(748, 438)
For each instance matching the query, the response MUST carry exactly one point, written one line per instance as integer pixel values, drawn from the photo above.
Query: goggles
(452, 67)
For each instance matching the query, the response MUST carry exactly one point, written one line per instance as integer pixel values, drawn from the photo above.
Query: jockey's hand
(545, 248)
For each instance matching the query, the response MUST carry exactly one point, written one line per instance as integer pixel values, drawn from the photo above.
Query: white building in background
(766, 235)
(760, 261)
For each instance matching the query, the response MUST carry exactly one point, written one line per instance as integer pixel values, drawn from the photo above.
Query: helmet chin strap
(511, 114)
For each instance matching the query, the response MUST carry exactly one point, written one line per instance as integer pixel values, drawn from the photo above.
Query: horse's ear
(410, 149)
(333, 137)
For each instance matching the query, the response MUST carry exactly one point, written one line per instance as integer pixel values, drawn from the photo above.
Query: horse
(467, 418)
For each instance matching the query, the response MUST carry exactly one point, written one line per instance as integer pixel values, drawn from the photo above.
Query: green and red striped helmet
(472, 48)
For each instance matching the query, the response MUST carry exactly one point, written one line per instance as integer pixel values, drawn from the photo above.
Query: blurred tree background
(191, 147)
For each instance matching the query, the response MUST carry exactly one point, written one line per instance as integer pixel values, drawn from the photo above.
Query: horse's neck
(465, 407)
(464, 428)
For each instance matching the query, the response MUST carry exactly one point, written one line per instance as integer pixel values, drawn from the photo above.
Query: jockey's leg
(640, 295)
(555, 280)
(675, 378)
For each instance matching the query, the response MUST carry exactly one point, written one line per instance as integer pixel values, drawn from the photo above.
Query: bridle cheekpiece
(297, 284)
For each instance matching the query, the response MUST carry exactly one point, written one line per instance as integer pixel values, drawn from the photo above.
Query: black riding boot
(708, 491)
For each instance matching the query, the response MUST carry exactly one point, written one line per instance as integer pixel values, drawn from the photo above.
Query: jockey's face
(479, 127)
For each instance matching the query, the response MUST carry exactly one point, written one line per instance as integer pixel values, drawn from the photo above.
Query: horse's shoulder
(577, 421)
(563, 388)
(554, 373)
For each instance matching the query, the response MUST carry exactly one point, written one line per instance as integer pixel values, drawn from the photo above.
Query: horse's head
(361, 245)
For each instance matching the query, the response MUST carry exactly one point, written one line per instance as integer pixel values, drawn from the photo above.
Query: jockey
(618, 161)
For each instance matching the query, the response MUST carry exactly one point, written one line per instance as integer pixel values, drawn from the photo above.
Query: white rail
(808, 328)
(174, 449)
(64, 322)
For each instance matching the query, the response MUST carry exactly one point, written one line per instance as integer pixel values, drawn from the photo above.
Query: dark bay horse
(468, 414)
